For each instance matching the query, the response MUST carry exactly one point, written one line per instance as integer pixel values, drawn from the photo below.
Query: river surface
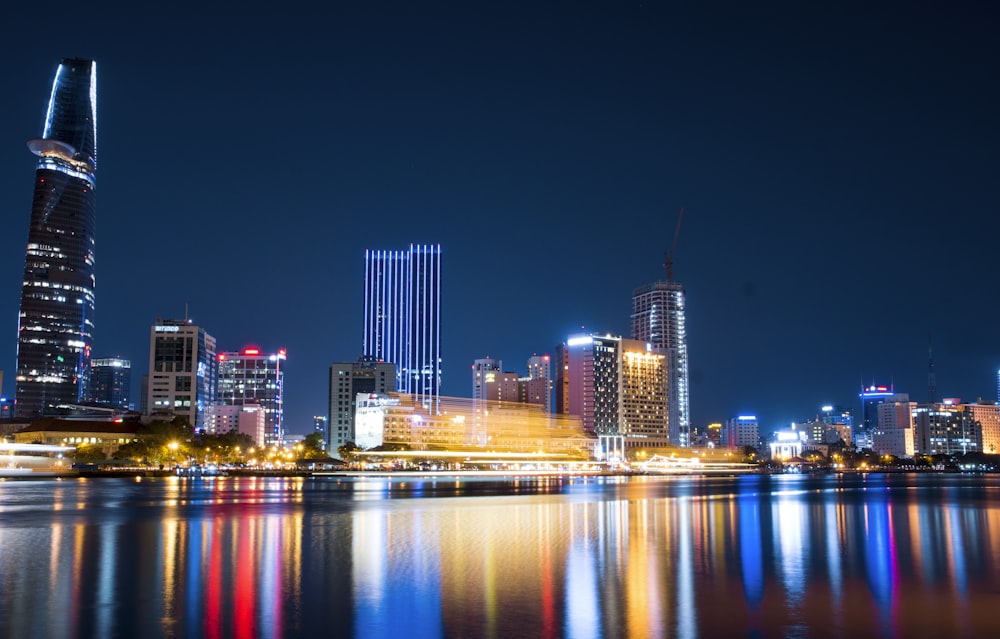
(749, 556)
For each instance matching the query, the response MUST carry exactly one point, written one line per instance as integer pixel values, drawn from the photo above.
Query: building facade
(110, 381)
(871, 397)
(618, 389)
(403, 317)
(742, 430)
(539, 384)
(56, 318)
(253, 377)
(183, 371)
(658, 317)
(893, 434)
(347, 381)
(247, 419)
(988, 417)
(946, 429)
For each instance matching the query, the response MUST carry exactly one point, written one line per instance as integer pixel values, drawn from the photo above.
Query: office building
(347, 381)
(538, 388)
(740, 431)
(893, 434)
(110, 381)
(483, 371)
(658, 317)
(320, 425)
(252, 376)
(56, 319)
(988, 418)
(946, 428)
(403, 317)
(618, 389)
(183, 371)
(871, 397)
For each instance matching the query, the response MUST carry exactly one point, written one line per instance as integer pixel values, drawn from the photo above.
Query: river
(907, 555)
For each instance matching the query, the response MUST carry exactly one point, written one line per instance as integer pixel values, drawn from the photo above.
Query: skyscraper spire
(56, 320)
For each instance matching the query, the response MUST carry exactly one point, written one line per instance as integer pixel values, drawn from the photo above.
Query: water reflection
(650, 557)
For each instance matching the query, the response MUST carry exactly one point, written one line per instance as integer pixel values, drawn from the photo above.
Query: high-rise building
(946, 428)
(658, 317)
(347, 379)
(56, 320)
(403, 317)
(251, 376)
(742, 430)
(893, 434)
(110, 381)
(871, 397)
(539, 385)
(320, 425)
(988, 417)
(484, 371)
(183, 371)
(618, 388)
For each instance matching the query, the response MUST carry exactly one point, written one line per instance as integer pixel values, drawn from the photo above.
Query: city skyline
(835, 178)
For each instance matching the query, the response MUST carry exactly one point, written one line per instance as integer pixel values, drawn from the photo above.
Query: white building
(740, 431)
(183, 371)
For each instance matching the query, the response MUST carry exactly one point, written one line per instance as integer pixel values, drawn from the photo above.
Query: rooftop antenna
(668, 257)
(186, 320)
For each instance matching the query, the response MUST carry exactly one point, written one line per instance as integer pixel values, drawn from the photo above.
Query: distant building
(787, 444)
(347, 380)
(483, 371)
(109, 436)
(252, 376)
(247, 419)
(946, 428)
(539, 383)
(713, 435)
(403, 317)
(394, 418)
(320, 425)
(110, 380)
(893, 434)
(183, 371)
(618, 388)
(658, 317)
(743, 430)
(988, 417)
(871, 397)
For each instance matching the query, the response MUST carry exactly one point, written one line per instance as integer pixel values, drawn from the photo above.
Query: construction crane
(668, 257)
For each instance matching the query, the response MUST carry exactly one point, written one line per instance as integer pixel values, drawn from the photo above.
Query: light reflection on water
(751, 556)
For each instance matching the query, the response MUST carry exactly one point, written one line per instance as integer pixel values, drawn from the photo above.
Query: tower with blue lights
(56, 319)
(403, 317)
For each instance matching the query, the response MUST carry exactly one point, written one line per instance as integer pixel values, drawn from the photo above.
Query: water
(750, 556)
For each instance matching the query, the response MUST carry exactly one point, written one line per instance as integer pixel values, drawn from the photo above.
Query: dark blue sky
(837, 166)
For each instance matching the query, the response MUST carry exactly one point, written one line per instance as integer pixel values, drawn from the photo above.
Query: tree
(89, 451)
(346, 451)
(313, 446)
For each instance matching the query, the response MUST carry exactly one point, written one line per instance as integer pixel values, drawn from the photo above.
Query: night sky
(837, 166)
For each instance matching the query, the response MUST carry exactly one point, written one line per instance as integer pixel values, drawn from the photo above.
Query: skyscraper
(403, 317)
(658, 317)
(252, 377)
(347, 379)
(56, 320)
(183, 371)
(618, 388)
(110, 380)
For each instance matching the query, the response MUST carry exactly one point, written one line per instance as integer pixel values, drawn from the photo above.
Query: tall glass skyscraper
(658, 317)
(56, 321)
(403, 317)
